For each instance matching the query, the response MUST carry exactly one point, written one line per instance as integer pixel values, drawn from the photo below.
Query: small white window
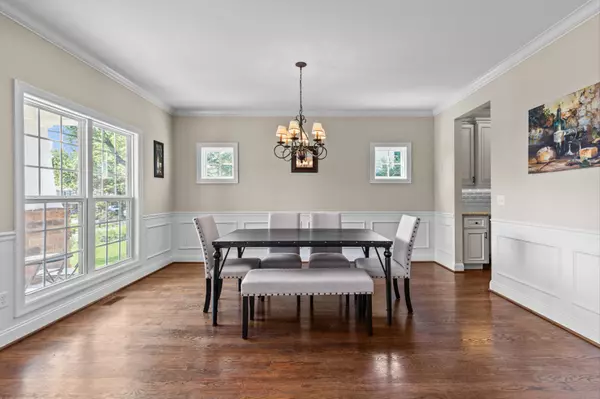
(216, 163)
(390, 163)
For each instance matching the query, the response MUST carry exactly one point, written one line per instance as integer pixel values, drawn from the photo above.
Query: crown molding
(315, 113)
(549, 36)
(43, 31)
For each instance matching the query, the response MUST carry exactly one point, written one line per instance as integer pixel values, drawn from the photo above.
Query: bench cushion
(267, 282)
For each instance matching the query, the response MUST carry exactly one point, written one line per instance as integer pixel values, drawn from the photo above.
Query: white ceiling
(239, 55)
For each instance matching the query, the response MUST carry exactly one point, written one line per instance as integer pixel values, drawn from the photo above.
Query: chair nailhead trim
(313, 293)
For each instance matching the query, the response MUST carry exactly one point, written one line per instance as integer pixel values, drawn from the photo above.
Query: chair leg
(208, 294)
(245, 317)
(251, 308)
(347, 301)
(396, 290)
(220, 286)
(311, 303)
(262, 298)
(407, 294)
(239, 284)
(370, 314)
(360, 307)
(298, 302)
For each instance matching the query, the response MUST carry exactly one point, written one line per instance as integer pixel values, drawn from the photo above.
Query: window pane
(212, 171)
(74, 214)
(100, 258)
(101, 211)
(30, 116)
(395, 171)
(109, 141)
(74, 241)
(55, 215)
(226, 157)
(101, 234)
(70, 184)
(397, 156)
(121, 186)
(32, 182)
(31, 151)
(97, 135)
(50, 179)
(212, 157)
(124, 250)
(55, 242)
(124, 210)
(381, 170)
(34, 244)
(70, 157)
(55, 270)
(113, 232)
(49, 125)
(70, 130)
(34, 216)
(50, 153)
(227, 171)
(113, 253)
(121, 146)
(124, 230)
(108, 185)
(113, 211)
(74, 268)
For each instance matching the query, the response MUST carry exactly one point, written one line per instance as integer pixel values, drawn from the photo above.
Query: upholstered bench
(274, 282)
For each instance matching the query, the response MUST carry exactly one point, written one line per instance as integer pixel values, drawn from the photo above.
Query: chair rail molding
(551, 270)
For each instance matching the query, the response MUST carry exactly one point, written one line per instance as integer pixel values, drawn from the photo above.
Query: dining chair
(326, 257)
(404, 242)
(235, 268)
(287, 257)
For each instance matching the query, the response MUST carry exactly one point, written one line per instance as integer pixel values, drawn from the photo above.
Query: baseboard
(589, 341)
(32, 326)
(447, 268)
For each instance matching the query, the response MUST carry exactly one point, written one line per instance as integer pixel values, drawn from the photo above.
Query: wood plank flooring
(155, 342)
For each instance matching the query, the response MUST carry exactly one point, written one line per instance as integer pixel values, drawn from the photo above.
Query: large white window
(216, 163)
(78, 194)
(390, 163)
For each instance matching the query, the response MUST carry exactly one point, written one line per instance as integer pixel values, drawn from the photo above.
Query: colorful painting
(565, 134)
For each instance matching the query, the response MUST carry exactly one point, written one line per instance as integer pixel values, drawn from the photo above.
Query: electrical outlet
(501, 200)
(3, 300)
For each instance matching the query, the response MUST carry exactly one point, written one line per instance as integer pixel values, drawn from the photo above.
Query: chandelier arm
(282, 151)
(323, 151)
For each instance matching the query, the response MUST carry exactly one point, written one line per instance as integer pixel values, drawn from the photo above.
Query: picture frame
(159, 159)
(310, 165)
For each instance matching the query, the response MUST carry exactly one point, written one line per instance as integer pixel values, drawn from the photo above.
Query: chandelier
(294, 142)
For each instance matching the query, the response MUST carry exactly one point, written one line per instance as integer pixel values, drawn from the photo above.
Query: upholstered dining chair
(287, 257)
(327, 257)
(232, 269)
(401, 257)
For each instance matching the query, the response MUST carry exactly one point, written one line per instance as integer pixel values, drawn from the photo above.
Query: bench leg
(370, 314)
(251, 308)
(298, 302)
(207, 295)
(245, 317)
(311, 303)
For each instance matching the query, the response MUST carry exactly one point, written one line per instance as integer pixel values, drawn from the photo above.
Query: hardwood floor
(151, 340)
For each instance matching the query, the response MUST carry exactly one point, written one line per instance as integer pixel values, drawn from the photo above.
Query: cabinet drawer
(477, 222)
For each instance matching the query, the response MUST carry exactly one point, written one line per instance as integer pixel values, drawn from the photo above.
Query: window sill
(46, 297)
(391, 181)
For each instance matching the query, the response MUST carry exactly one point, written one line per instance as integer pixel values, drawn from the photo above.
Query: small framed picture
(159, 159)
(310, 164)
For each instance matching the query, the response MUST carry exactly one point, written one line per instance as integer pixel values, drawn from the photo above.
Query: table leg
(388, 284)
(215, 280)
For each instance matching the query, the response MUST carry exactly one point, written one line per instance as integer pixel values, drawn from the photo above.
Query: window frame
(404, 147)
(90, 277)
(200, 163)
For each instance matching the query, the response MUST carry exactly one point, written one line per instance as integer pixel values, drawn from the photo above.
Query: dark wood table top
(302, 238)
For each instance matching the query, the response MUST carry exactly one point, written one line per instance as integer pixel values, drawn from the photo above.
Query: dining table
(304, 237)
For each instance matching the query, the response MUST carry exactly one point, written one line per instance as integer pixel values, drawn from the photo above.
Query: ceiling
(231, 56)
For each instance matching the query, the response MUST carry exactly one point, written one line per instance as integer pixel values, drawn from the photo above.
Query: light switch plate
(500, 200)
(3, 300)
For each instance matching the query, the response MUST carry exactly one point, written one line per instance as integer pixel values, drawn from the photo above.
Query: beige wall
(568, 199)
(27, 57)
(265, 182)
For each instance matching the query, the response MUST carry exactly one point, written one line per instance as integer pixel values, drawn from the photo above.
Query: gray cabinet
(474, 146)
(476, 243)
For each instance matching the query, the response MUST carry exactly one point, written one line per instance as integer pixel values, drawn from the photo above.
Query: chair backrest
(405, 241)
(325, 220)
(284, 220)
(207, 233)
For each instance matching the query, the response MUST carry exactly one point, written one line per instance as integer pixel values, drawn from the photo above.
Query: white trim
(418, 113)
(199, 165)
(79, 53)
(546, 38)
(405, 147)
(545, 226)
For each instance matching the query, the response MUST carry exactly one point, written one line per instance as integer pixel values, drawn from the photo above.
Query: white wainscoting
(552, 271)
(445, 241)
(155, 253)
(187, 248)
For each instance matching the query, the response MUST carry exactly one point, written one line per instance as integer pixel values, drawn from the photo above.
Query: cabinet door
(467, 155)
(475, 246)
(484, 158)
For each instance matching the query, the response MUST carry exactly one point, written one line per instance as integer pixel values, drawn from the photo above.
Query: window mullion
(90, 239)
